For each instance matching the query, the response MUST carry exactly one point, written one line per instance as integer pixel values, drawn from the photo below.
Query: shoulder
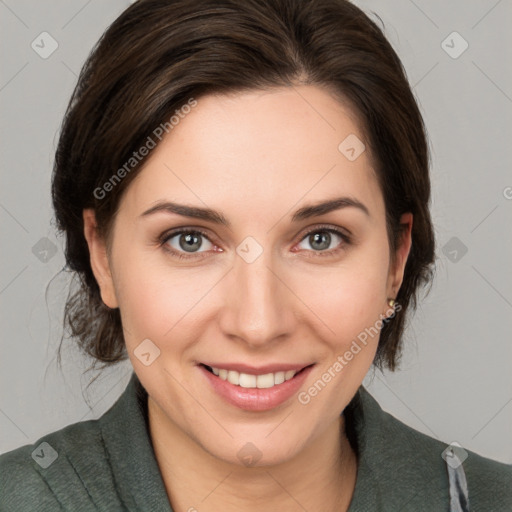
(34, 475)
(23, 488)
(488, 481)
(103, 464)
(419, 462)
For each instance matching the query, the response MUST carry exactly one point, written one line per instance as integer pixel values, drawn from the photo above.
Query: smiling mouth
(246, 380)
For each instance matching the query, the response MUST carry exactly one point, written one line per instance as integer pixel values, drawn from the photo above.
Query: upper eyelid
(328, 227)
(320, 227)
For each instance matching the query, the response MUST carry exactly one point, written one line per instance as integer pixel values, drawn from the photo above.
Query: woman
(244, 191)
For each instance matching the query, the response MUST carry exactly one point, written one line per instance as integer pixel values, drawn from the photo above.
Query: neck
(320, 478)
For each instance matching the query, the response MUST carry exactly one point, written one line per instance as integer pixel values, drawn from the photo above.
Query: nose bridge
(258, 303)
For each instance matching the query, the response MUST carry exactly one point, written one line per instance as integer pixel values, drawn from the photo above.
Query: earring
(391, 304)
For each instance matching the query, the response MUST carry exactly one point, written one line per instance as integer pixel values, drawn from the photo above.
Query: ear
(99, 259)
(396, 271)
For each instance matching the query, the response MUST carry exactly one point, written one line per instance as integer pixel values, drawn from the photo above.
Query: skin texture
(257, 157)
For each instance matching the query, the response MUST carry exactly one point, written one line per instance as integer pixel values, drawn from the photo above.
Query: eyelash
(165, 237)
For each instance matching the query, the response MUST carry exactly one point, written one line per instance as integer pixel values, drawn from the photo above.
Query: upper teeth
(245, 380)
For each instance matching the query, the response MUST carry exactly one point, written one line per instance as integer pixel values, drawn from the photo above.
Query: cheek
(155, 298)
(160, 302)
(347, 298)
(149, 300)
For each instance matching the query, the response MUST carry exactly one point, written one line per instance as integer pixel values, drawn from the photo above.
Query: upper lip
(257, 370)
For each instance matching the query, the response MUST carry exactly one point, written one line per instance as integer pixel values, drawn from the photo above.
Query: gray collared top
(109, 465)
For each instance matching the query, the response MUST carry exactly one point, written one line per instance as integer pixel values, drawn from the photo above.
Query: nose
(258, 309)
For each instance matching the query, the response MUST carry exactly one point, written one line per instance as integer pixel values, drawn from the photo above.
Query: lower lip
(256, 399)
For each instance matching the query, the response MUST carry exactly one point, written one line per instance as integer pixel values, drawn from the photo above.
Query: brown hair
(160, 53)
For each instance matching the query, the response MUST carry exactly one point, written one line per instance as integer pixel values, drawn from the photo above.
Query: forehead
(259, 150)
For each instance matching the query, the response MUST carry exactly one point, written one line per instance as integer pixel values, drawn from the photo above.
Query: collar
(128, 444)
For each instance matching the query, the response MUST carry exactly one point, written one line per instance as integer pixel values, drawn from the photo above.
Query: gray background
(455, 383)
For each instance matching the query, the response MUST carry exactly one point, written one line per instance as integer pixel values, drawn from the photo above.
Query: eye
(185, 243)
(320, 239)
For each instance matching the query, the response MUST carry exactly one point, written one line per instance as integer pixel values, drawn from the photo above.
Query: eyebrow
(207, 214)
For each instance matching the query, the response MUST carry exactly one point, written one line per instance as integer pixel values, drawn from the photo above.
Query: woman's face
(269, 286)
